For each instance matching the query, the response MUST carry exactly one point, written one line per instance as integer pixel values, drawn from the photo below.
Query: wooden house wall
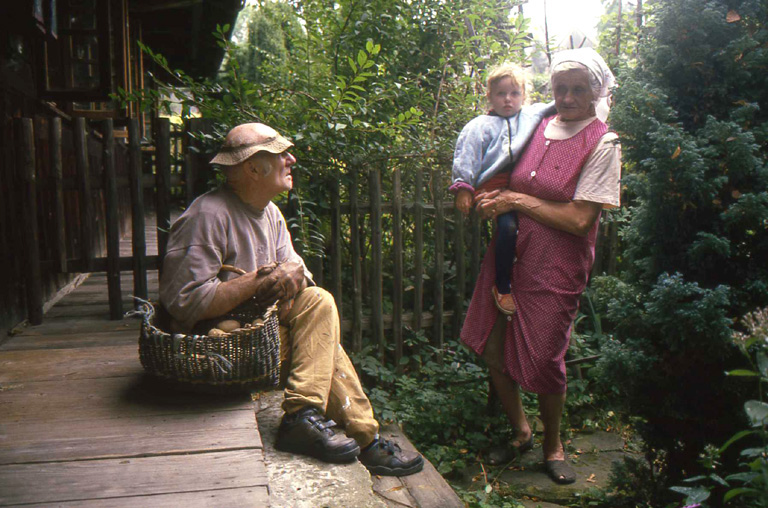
(13, 266)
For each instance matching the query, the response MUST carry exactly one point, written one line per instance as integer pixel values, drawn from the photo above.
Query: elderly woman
(567, 175)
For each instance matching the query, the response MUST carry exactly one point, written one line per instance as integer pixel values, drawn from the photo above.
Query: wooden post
(26, 166)
(189, 178)
(397, 248)
(418, 255)
(138, 239)
(377, 292)
(437, 323)
(460, 294)
(60, 261)
(314, 258)
(112, 223)
(84, 187)
(163, 185)
(336, 287)
(357, 272)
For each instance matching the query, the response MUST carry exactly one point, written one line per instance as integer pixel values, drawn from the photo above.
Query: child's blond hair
(505, 70)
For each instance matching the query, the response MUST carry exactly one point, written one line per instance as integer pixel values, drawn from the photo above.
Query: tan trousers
(319, 372)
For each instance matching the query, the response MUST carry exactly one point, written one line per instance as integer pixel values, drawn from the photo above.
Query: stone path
(592, 454)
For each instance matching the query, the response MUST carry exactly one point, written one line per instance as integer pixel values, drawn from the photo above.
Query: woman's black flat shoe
(507, 454)
(560, 471)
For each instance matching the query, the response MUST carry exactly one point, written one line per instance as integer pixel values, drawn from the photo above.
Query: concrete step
(297, 481)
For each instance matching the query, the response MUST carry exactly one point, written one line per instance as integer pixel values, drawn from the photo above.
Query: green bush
(440, 399)
(696, 184)
(747, 482)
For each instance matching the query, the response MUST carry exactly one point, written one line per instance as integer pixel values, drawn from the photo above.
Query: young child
(486, 151)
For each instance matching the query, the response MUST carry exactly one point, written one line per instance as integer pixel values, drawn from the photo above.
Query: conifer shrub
(693, 135)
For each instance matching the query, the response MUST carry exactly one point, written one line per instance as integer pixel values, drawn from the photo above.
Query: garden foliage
(385, 84)
(693, 134)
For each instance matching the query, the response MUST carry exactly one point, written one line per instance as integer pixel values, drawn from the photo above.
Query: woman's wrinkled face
(573, 95)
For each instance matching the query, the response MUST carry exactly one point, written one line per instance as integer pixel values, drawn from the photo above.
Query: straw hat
(247, 139)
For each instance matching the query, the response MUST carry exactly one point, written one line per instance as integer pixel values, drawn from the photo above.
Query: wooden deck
(81, 425)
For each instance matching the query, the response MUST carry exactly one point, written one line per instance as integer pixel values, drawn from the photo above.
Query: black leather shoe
(308, 432)
(386, 458)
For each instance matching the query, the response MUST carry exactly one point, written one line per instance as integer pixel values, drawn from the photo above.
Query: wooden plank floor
(81, 424)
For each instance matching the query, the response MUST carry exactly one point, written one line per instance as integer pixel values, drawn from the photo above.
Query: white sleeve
(599, 181)
(468, 154)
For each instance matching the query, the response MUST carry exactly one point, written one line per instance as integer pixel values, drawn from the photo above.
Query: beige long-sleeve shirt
(218, 229)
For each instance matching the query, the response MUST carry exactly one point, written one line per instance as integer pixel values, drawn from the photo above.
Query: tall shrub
(694, 140)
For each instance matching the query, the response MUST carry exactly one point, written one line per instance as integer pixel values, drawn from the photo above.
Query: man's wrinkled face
(279, 178)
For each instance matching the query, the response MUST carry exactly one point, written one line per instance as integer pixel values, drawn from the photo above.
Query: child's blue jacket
(489, 143)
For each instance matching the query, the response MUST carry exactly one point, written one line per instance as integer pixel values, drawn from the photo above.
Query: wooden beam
(112, 223)
(138, 238)
(156, 6)
(438, 279)
(60, 256)
(26, 167)
(397, 276)
(84, 189)
(163, 184)
(377, 277)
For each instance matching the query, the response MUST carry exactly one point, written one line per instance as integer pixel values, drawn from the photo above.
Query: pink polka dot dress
(551, 271)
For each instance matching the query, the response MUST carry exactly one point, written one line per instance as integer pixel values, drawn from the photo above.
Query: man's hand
(268, 284)
(281, 282)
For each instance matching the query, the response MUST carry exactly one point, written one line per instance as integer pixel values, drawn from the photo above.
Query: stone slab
(296, 481)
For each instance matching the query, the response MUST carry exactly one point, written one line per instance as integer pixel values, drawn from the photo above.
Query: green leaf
(762, 363)
(737, 492)
(369, 46)
(694, 494)
(718, 479)
(735, 438)
(752, 452)
(742, 477)
(742, 372)
(757, 411)
(362, 58)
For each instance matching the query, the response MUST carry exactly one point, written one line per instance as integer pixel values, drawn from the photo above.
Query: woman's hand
(463, 201)
(575, 217)
(494, 203)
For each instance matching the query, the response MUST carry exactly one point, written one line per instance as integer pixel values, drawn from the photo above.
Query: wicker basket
(243, 360)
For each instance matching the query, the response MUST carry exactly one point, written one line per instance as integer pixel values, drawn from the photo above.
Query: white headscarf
(601, 78)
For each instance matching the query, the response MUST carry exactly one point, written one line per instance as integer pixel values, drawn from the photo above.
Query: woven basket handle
(230, 268)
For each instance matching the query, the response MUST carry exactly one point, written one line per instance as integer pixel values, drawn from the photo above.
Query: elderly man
(239, 225)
